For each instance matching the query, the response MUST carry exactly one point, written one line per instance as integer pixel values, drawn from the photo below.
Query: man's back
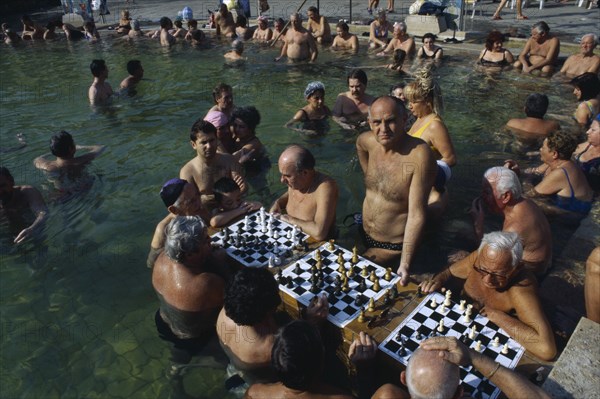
(280, 391)
(533, 126)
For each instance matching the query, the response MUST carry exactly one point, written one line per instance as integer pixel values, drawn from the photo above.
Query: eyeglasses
(484, 273)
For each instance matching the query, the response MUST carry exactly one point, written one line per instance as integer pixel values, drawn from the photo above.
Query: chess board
(252, 245)
(426, 319)
(343, 308)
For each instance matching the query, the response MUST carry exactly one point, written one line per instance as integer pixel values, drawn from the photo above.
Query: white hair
(434, 378)
(504, 241)
(184, 235)
(505, 180)
(593, 36)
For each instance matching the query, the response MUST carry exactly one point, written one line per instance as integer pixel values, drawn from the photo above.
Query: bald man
(432, 372)
(311, 198)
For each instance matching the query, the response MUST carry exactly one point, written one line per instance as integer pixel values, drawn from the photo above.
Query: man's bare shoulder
(524, 283)
(326, 182)
(366, 140)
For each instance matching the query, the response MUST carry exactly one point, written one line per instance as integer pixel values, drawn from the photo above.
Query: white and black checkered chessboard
(252, 245)
(343, 306)
(426, 319)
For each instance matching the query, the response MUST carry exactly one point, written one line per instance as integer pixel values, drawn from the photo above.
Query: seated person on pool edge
(432, 372)
(188, 285)
(534, 124)
(298, 357)
(540, 52)
(230, 204)
(311, 197)
(495, 279)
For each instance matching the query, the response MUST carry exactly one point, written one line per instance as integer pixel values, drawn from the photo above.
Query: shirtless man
(399, 173)
(181, 199)
(223, 97)
(279, 30)
(534, 125)
(31, 30)
(15, 204)
(299, 43)
(400, 40)
(248, 322)
(540, 52)
(189, 288)
(166, 38)
(100, 90)
(352, 107)
(344, 40)
(263, 33)
(318, 26)
(136, 73)
(501, 193)
(209, 166)
(63, 147)
(237, 49)
(225, 22)
(311, 198)
(586, 61)
(495, 279)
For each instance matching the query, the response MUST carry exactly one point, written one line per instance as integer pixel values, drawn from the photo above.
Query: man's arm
(523, 55)
(338, 107)
(362, 151)
(567, 64)
(237, 176)
(280, 204)
(42, 163)
(93, 152)
(550, 56)
(38, 207)
(92, 94)
(326, 200)
(460, 270)
(532, 328)
(312, 48)
(354, 42)
(420, 186)
(594, 66)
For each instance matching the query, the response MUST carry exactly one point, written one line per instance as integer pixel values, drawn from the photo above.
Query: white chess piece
(247, 223)
(504, 350)
(271, 262)
(289, 235)
(262, 213)
(275, 235)
(441, 326)
(443, 308)
(467, 317)
(473, 332)
(275, 248)
(478, 346)
(433, 303)
(448, 301)
(496, 342)
(462, 304)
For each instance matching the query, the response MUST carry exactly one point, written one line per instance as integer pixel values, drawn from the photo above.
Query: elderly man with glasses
(504, 292)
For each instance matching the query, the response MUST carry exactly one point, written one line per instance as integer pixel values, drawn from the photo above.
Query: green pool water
(76, 310)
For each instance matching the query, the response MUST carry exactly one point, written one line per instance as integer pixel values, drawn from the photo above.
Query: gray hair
(439, 381)
(505, 180)
(237, 45)
(184, 236)
(504, 241)
(401, 25)
(593, 36)
(541, 27)
(297, 15)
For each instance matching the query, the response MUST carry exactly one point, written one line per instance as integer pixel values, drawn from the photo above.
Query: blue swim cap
(312, 87)
(597, 118)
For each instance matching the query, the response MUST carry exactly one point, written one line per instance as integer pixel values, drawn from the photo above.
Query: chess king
(505, 292)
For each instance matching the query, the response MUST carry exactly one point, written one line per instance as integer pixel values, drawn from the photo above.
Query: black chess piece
(419, 336)
(359, 300)
(386, 300)
(337, 291)
(402, 351)
(419, 292)
(362, 286)
(279, 277)
(290, 283)
(298, 269)
(394, 292)
(314, 288)
(399, 337)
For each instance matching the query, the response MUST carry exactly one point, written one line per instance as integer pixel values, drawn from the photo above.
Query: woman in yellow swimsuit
(425, 102)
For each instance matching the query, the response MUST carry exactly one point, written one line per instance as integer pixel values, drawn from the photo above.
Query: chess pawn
(318, 255)
(373, 276)
(388, 274)
(467, 316)
(434, 303)
(443, 307)
(478, 346)
(350, 272)
(340, 259)
(319, 265)
(448, 301)
(331, 245)
(354, 255)
(297, 269)
(371, 305)
(345, 285)
(364, 272)
(496, 342)
(361, 316)
(504, 350)
(462, 304)
(289, 235)
(276, 235)
(341, 268)
(441, 326)
(473, 332)
(376, 287)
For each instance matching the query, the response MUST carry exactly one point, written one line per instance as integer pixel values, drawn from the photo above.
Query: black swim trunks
(182, 349)
(372, 243)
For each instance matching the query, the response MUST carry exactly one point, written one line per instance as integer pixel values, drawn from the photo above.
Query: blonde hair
(425, 88)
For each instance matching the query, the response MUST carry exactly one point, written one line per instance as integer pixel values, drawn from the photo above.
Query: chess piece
(496, 342)
(467, 316)
(478, 346)
(462, 304)
(473, 332)
(418, 335)
(276, 235)
(340, 259)
(504, 350)
(262, 213)
(364, 272)
(371, 305)
(318, 256)
(441, 326)
(443, 307)
(341, 269)
(433, 303)
(539, 378)
(386, 299)
(225, 235)
(394, 292)
(350, 273)
(314, 288)
(359, 300)
(297, 269)
(362, 286)
(289, 235)
(290, 283)
(419, 292)
(279, 276)
(270, 264)
(388, 274)
(246, 223)
(319, 265)
(402, 351)
(376, 287)
(361, 316)
(331, 246)
(345, 286)
(373, 276)
(276, 248)
(448, 301)
(354, 255)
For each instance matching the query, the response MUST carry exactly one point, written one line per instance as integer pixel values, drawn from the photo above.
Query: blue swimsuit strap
(569, 181)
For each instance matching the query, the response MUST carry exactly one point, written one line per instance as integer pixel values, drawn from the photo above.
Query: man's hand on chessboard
(362, 349)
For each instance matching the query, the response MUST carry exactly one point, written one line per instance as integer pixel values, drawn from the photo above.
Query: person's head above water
(181, 197)
(248, 115)
(238, 46)
(563, 143)
(227, 193)
(425, 89)
(202, 126)
(186, 237)
(134, 67)
(223, 96)
(428, 376)
(492, 38)
(98, 67)
(62, 145)
(253, 294)
(536, 105)
(587, 86)
(166, 23)
(312, 88)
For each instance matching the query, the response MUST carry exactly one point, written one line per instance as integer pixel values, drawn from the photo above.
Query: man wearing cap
(181, 198)
(209, 165)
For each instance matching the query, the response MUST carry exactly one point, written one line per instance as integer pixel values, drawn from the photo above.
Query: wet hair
(343, 26)
(305, 159)
(241, 21)
(313, 9)
(536, 105)
(397, 86)
(296, 355)
(224, 185)
(505, 180)
(493, 37)
(97, 67)
(133, 66)
(165, 23)
(280, 21)
(238, 46)
(563, 143)
(249, 115)
(61, 144)
(428, 36)
(504, 241)
(4, 172)
(179, 24)
(541, 27)
(357, 74)
(202, 126)
(296, 15)
(430, 377)
(184, 236)
(425, 88)
(253, 293)
(589, 85)
(398, 57)
(192, 23)
(220, 89)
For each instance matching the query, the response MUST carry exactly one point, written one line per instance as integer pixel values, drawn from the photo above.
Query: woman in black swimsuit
(314, 115)
(429, 49)
(494, 55)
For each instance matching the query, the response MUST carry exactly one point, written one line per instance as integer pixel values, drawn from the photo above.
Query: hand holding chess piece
(431, 285)
(318, 309)
(362, 349)
(403, 273)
